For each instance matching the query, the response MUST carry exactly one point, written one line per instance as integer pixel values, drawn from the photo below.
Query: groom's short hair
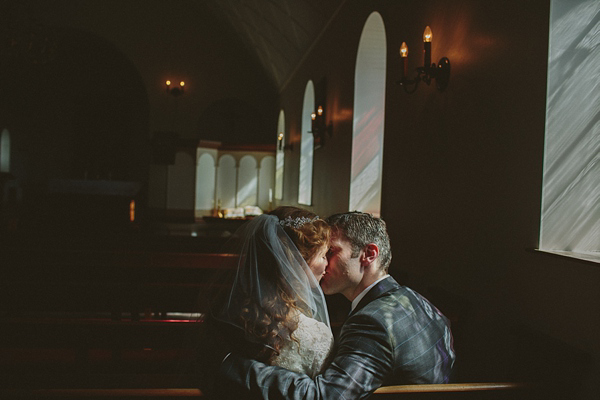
(361, 229)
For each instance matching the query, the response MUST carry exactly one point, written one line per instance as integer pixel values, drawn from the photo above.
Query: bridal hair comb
(297, 222)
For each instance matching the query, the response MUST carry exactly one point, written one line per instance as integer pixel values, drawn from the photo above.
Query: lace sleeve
(310, 354)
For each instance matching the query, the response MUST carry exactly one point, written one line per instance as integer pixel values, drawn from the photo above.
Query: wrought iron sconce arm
(440, 73)
(281, 146)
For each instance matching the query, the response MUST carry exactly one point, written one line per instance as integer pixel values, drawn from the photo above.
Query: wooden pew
(115, 283)
(486, 390)
(112, 394)
(110, 319)
(126, 357)
(475, 390)
(87, 353)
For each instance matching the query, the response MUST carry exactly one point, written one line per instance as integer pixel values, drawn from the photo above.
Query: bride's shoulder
(312, 327)
(304, 319)
(308, 351)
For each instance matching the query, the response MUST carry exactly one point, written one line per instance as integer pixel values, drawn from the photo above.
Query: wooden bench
(87, 353)
(99, 283)
(90, 318)
(507, 390)
(478, 390)
(113, 394)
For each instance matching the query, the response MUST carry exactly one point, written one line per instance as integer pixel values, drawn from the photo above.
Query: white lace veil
(267, 255)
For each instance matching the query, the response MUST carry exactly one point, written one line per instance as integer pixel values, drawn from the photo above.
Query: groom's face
(343, 273)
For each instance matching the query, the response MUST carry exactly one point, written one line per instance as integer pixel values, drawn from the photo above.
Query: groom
(392, 335)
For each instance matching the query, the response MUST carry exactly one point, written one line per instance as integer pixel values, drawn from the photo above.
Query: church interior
(131, 130)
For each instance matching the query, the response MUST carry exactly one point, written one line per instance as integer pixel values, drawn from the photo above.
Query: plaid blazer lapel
(382, 287)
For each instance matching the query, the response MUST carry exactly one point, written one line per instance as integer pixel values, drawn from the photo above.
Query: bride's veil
(267, 262)
(267, 258)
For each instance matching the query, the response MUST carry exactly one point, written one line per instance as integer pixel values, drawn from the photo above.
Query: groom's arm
(362, 361)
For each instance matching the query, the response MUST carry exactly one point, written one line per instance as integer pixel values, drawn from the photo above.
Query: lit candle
(404, 56)
(427, 36)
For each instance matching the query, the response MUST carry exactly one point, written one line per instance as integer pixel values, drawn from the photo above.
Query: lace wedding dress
(310, 354)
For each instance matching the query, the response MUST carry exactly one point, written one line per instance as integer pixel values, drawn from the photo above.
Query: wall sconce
(319, 127)
(429, 71)
(280, 145)
(175, 90)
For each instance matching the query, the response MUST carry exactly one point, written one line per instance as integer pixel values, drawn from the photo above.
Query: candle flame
(404, 50)
(427, 35)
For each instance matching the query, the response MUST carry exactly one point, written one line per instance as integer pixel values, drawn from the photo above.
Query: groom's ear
(370, 254)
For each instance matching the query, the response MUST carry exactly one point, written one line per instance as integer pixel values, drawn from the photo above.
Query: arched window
(205, 184)
(570, 222)
(369, 116)
(226, 182)
(306, 147)
(247, 182)
(280, 156)
(5, 151)
(265, 182)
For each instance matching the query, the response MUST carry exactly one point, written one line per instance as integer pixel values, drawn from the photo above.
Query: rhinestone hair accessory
(297, 222)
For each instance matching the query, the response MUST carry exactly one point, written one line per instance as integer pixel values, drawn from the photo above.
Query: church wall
(92, 108)
(462, 181)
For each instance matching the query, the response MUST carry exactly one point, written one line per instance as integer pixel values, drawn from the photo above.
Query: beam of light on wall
(369, 115)
(571, 190)
(367, 186)
(306, 147)
(265, 182)
(280, 158)
(247, 194)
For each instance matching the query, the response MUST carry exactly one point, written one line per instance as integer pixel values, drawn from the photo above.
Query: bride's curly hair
(308, 237)
(273, 322)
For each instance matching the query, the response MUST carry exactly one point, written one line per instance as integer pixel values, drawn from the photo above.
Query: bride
(275, 301)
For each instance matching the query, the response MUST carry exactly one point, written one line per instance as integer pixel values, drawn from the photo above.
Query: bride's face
(318, 262)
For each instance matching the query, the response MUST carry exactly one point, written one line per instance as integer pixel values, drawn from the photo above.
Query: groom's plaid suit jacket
(394, 336)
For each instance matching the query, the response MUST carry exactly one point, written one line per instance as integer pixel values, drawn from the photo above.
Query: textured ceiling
(279, 32)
